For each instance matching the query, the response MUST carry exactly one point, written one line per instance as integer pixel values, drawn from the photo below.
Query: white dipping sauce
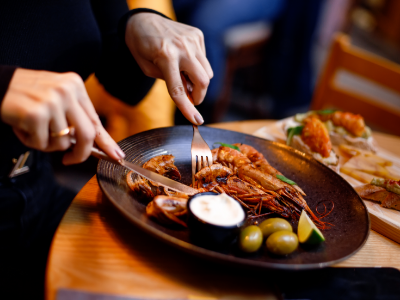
(217, 210)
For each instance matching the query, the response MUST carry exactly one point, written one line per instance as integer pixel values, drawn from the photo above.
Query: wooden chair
(155, 110)
(245, 47)
(382, 112)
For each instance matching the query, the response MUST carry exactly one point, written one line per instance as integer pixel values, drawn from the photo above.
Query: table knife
(164, 181)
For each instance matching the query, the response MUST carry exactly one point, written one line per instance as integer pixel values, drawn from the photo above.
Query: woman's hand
(163, 49)
(40, 102)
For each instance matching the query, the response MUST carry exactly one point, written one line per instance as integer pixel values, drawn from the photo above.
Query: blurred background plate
(350, 216)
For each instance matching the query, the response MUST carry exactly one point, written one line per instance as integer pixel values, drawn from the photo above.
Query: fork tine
(199, 163)
(210, 160)
(193, 167)
(201, 153)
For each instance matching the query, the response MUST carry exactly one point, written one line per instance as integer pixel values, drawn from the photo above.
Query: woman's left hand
(163, 49)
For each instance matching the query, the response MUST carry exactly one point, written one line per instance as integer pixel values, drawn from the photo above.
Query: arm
(117, 70)
(160, 47)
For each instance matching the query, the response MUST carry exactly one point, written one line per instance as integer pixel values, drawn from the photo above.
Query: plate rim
(224, 258)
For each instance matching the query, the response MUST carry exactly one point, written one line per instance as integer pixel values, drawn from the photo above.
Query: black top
(68, 35)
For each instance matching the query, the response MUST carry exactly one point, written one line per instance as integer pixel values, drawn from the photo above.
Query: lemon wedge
(307, 232)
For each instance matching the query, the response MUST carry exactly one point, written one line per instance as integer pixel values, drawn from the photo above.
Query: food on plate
(313, 138)
(167, 209)
(316, 136)
(220, 210)
(362, 163)
(261, 163)
(163, 165)
(307, 232)
(250, 239)
(344, 127)
(244, 175)
(358, 175)
(271, 225)
(278, 235)
(282, 242)
(252, 185)
(371, 156)
(214, 220)
(365, 165)
(390, 185)
(338, 121)
(386, 192)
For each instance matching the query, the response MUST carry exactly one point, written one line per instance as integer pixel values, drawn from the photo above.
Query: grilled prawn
(261, 163)
(167, 209)
(351, 122)
(243, 167)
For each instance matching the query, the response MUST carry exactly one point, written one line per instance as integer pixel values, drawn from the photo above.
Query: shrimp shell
(168, 210)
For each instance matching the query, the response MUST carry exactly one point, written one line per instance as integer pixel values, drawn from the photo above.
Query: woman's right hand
(38, 103)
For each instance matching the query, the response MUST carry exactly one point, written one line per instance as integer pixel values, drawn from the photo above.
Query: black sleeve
(117, 70)
(6, 73)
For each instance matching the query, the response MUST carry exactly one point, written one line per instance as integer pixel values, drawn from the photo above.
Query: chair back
(357, 81)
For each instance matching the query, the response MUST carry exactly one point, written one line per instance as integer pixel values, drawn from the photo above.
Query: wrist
(123, 22)
(135, 20)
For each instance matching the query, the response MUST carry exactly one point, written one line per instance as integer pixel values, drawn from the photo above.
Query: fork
(201, 153)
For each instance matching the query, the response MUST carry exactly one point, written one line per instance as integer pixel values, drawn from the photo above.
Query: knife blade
(164, 181)
(169, 183)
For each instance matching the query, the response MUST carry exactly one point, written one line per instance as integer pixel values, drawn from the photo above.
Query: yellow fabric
(155, 110)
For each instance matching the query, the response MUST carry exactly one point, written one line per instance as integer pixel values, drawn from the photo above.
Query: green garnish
(292, 131)
(390, 185)
(302, 116)
(228, 145)
(284, 179)
(325, 111)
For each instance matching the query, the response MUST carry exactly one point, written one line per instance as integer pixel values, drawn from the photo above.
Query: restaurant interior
(272, 61)
(369, 26)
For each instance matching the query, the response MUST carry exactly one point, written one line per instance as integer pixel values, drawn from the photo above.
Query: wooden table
(96, 250)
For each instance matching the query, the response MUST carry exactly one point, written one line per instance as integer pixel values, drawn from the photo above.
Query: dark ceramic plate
(350, 216)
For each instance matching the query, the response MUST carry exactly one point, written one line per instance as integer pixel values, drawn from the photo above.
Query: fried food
(343, 127)
(364, 165)
(387, 194)
(316, 136)
(351, 122)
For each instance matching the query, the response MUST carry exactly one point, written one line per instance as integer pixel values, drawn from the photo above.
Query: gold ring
(66, 131)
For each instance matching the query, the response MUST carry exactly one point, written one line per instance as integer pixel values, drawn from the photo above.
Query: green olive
(250, 239)
(272, 225)
(282, 242)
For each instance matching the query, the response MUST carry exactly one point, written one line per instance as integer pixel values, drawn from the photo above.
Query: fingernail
(199, 119)
(120, 153)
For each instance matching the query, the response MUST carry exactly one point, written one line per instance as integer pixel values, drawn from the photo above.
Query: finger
(201, 41)
(176, 90)
(105, 142)
(102, 138)
(84, 134)
(198, 77)
(206, 65)
(58, 123)
(35, 132)
(188, 86)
